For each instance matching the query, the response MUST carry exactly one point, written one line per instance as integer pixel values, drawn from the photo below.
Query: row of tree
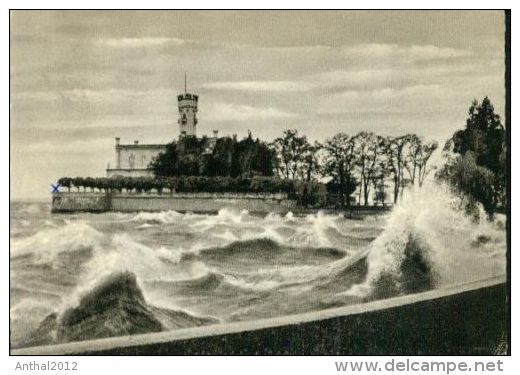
(366, 161)
(184, 184)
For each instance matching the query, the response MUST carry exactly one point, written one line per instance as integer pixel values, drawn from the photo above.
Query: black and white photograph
(259, 182)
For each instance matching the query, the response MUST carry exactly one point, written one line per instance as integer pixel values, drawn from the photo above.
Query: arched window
(131, 161)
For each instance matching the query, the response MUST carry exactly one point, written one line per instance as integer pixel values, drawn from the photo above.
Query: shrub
(184, 184)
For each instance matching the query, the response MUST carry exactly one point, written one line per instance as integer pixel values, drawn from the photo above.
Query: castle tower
(187, 113)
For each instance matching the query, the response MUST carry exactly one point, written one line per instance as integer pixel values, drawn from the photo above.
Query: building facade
(134, 159)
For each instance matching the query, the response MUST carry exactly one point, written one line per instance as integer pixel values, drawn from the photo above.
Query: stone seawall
(467, 319)
(196, 202)
(80, 202)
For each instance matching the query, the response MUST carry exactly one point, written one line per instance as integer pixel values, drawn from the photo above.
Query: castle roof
(150, 146)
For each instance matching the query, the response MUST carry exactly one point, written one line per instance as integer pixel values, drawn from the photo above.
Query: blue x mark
(55, 188)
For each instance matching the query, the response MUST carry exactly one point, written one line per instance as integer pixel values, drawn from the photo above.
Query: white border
(235, 365)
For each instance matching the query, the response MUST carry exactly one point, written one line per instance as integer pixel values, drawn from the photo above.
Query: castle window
(131, 161)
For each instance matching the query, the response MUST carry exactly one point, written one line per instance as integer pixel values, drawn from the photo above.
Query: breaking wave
(115, 307)
(429, 243)
(194, 269)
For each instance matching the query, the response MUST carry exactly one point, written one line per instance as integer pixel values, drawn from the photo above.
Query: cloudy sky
(79, 79)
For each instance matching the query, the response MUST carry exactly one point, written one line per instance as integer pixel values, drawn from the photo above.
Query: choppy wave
(47, 245)
(236, 266)
(114, 307)
(164, 217)
(314, 230)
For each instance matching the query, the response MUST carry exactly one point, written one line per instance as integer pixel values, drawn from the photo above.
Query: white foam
(165, 217)
(47, 244)
(432, 216)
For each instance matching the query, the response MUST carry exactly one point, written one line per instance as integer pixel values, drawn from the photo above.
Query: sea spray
(163, 217)
(123, 254)
(46, 246)
(429, 226)
(239, 266)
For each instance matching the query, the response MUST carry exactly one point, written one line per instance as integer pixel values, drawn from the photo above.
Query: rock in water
(116, 307)
(172, 319)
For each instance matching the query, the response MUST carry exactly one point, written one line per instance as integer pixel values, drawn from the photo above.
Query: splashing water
(453, 247)
(237, 266)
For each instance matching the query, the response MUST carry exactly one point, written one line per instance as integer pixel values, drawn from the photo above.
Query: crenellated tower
(187, 113)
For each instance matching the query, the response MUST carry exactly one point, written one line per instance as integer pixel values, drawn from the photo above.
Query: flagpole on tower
(185, 91)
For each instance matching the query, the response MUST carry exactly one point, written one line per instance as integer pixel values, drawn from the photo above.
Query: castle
(133, 160)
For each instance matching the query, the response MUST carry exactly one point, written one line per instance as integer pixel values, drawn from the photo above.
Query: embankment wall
(80, 202)
(194, 202)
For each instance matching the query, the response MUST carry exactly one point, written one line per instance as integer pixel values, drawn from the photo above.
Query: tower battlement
(187, 96)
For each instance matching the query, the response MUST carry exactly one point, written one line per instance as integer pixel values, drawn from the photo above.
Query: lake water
(234, 266)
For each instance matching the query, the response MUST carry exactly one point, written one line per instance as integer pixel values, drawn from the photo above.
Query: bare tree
(427, 151)
(394, 150)
(309, 167)
(339, 162)
(369, 150)
(416, 161)
(290, 149)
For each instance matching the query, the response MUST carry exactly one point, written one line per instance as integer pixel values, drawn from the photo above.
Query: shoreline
(206, 203)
